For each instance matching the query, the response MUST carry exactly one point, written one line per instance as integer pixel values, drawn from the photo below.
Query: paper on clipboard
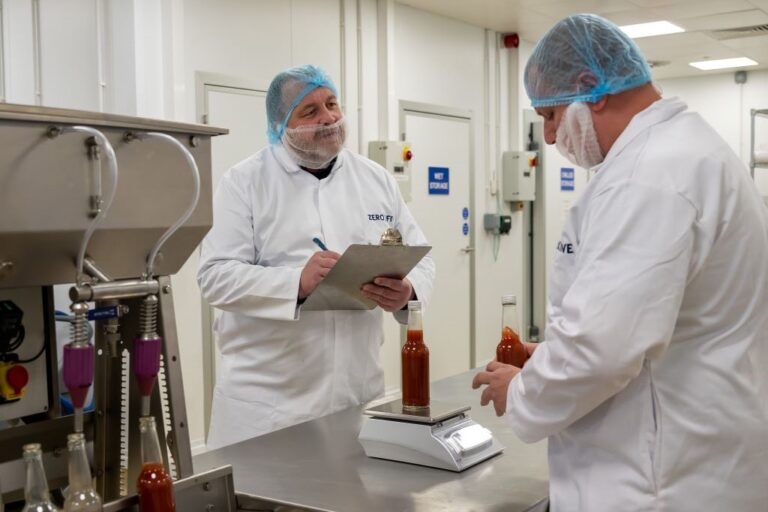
(360, 264)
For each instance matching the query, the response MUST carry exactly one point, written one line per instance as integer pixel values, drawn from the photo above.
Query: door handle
(467, 249)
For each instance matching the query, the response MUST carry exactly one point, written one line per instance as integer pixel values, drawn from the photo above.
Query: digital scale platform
(439, 436)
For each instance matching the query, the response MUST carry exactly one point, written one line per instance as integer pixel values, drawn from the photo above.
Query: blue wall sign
(567, 179)
(465, 213)
(465, 229)
(438, 181)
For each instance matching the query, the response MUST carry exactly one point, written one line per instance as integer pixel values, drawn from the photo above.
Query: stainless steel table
(319, 465)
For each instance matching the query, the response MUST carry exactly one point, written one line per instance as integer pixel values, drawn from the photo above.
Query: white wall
(441, 61)
(139, 57)
(726, 105)
(251, 41)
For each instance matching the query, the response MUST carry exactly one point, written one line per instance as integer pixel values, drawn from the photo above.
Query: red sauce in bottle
(510, 349)
(415, 371)
(155, 489)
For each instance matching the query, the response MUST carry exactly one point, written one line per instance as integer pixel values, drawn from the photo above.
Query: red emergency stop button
(407, 153)
(17, 378)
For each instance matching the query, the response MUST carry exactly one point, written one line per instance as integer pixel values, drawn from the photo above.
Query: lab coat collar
(658, 112)
(290, 166)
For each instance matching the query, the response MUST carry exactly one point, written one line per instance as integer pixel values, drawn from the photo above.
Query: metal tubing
(90, 266)
(114, 290)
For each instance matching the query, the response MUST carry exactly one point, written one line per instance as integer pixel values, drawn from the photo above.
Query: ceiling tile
(532, 18)
(749, 42)
(657, 3)
(757, 54)
(760, 4)
(729, 20)
(632, 16)
(564, 8)
(696, 8)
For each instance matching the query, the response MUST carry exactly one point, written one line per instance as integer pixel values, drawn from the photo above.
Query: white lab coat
(279, 365)
(652, 384)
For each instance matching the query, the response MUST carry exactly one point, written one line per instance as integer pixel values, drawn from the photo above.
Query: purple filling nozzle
(79, 363)
(146, 362)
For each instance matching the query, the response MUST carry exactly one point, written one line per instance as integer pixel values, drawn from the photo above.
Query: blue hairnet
(285, 93)
(583, 58)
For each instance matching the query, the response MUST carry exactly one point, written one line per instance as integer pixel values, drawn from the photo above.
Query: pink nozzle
(146, 362)
(78, 371)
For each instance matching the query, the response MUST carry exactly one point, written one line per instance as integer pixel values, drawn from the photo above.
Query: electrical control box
(497, 224)
(395, 157)
(24, 388)
(518, 169)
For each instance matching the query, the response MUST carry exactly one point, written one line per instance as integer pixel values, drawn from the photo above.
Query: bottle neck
(36, 490)
(415, 322)
(150, 444)
(79, 469)
(415, 327)
(509, 317)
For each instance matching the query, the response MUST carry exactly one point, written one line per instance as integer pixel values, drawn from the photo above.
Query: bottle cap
(32, 449)
(414, 305)
(508, 299)
(146, 423)
(75, 439)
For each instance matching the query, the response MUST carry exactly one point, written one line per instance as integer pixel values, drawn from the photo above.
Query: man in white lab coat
(652, 381)
(281, 365)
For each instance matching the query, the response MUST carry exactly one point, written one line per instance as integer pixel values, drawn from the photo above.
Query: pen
(320, 244)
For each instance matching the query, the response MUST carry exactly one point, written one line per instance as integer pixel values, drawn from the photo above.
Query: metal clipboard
(360, 264)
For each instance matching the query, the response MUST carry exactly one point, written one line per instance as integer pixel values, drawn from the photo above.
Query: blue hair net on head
(583, 58)
(285, 93)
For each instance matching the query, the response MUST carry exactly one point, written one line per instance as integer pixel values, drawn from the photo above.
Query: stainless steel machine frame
(753, 115)
(50, 186)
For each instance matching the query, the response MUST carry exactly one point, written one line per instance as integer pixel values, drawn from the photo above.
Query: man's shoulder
(250, 168)
(363, 162)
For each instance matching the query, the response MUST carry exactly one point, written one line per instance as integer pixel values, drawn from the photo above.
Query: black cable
(36, 356)
(13, 345)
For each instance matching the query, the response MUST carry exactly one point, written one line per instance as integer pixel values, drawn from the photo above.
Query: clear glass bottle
(36, 495)
(81, 496)
(155, 486)
(510, 349)
(415, 361)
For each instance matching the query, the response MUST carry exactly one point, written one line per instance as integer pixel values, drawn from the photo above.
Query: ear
(599, 105)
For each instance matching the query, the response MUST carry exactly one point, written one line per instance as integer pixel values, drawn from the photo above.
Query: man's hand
(390, 294)
(315, 270)
(497, 376)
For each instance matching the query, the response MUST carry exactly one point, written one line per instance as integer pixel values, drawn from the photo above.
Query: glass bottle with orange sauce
(415, 361)
(155, 486)
(510, 349)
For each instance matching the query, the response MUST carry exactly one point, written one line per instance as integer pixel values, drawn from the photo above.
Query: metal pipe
(114, 290)
(359, 50)
(90, 266)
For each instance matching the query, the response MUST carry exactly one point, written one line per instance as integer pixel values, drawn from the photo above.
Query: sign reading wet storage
(438, 181)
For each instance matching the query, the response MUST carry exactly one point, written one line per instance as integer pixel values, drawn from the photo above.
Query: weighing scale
(439, 436)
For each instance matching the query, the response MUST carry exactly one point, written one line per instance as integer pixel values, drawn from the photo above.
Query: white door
(443, 143)
(242, 111)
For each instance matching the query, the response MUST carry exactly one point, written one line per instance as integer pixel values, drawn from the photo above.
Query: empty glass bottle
(510, 349)
(415, 361)
(155, 486)
(36, 495)
(81, 496)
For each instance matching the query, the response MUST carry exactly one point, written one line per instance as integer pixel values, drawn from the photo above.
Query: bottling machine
(107, 205)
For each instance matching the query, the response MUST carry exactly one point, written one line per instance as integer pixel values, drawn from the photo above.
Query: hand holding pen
(316, 268)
